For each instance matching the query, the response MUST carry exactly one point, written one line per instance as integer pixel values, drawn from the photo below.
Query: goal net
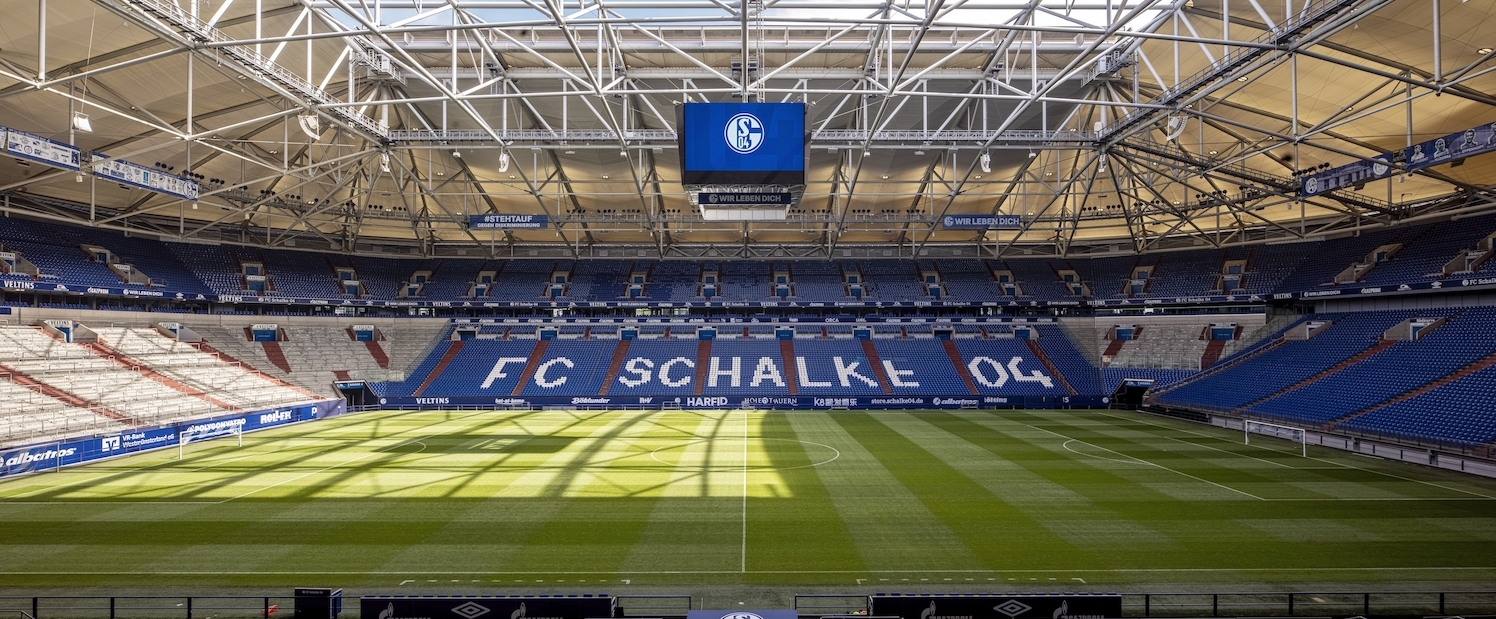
(191, 436)
(1287, 433)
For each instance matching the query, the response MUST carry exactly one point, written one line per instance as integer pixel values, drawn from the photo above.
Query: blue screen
(743, 143)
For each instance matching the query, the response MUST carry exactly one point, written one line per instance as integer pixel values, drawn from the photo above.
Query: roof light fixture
(310, 125)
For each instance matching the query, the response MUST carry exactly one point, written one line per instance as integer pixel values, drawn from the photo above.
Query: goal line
(1290, 433)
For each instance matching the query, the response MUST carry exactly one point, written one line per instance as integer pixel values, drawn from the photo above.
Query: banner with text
(69, 452)
(1472, 141)
(493, 221)
(1346, 176)
(37, 148)
(776, 198)
(982, 222)
(474, 606)
(136, 175)
(993, 606)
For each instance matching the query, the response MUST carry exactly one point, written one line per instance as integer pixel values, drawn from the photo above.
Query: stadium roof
(1108, 125)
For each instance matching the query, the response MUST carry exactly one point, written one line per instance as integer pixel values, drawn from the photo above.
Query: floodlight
(310, 125)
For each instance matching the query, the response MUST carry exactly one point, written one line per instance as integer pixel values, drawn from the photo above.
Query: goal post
(1289, 433)
(188, 436)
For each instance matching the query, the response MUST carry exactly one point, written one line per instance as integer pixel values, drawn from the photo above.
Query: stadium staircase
(791, 372)
(619, 354)
(955, 355)
(1049, 365)
(130, 363)
(1483, 363)
(703, 360)
(25, 380)
(1380, 346)
(227, 358)
(376, 351)
(878, 373)
(1212, 353)
(536, 354)
(447, 358)
(276, 356)
(1113, 347)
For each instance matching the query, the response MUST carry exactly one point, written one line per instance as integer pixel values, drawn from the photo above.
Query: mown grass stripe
(996, 532)
(889, 526)
(802, 529)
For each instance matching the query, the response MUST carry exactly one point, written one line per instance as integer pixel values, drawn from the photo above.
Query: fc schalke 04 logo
(741, 615)
(744, 133)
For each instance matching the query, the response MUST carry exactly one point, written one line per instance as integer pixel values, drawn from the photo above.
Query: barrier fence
(1170, 605)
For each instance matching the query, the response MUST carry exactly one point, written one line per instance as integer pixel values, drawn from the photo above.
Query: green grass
(586, 500)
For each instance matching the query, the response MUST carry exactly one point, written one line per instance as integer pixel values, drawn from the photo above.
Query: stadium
(747, 309)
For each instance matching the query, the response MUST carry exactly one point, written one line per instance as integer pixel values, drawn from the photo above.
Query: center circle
(820, 454)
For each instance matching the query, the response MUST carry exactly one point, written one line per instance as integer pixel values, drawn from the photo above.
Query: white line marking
(743, 567)
(1346, 465)
(1286, 466)
(367, 455)
(1181, 473)
(709, 572)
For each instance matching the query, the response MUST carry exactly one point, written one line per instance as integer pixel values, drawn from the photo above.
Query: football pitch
(599, 500)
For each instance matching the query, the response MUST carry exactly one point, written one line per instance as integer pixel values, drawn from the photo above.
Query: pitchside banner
(742, 614)
(489, 607)
(78, 451)
(994, 606)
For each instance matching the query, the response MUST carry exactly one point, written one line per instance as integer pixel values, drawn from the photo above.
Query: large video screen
(742, 143)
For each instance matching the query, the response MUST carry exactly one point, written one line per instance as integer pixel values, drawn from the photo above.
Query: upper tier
(67, 259)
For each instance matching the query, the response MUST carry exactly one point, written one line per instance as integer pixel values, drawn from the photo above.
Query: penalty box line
(1333, 464)
(376, 452)
(1148, 462)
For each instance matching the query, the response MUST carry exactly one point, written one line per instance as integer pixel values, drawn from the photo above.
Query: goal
(189, 436)
(1289, 433)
